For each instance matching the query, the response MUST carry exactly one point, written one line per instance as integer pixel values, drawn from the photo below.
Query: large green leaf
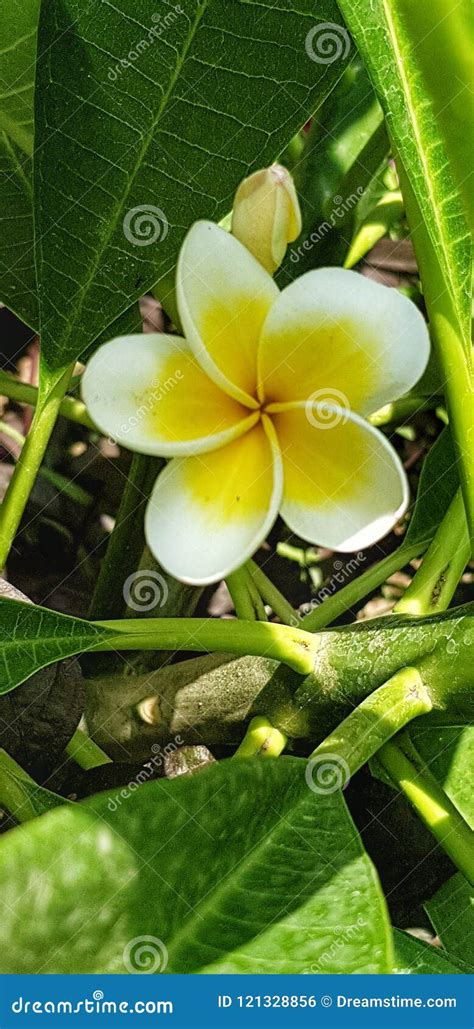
(439, 481)
(126, 120)
(17, 266)
(451, 911)
(18, 24)
(17, 71)
(238, 869)
(343, 151)
(388, 42)
(441, 26)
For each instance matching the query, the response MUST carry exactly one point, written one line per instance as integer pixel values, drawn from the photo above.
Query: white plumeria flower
(262, 407)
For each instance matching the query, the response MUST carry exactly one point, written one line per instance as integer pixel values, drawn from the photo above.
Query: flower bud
(266, 215)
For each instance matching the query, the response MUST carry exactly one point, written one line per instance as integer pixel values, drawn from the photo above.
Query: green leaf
(451, 911)
(439, 481)
(175, 126)
(412, 957)
(18, 23)
(388, 42)
(439, 26)
(17, 71)
(17, 266)
(449, 754)
(274, 862)
(20, 795)
(343, 151)
(32, 637)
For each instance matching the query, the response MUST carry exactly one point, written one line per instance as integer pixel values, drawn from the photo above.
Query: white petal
(149, 393)
(344, 485)
(337, 334)
(207, 515)
(224, 296)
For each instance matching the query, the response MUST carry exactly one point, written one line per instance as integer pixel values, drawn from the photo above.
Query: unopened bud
(266, 215)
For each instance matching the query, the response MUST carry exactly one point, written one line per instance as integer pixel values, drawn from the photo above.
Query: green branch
(23, 393)
(283, 643)
(29, 463)
(375, 721)
(431, 804)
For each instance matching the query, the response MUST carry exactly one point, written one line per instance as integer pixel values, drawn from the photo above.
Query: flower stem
(350, 595)
(261, 740)
(376, 719)
(126, 542)
(431, 804)
(283, 643)
(445, 560)
(28, 464)
(85, 752)
(25, 393)
(272, 596)
(245, 598)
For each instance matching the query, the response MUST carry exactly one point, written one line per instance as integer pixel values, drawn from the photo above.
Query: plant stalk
(375, 720)
(272, 596)
(434, 584)
(126, 542)
(29, 463)
(292, 646)
(432, 805)
(85, 752)
(24, 393)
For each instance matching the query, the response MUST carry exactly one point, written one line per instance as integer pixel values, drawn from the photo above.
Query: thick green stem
(375, 721)
(432, 805)
(435, 581)
(262, 740)
(355, 591)
(126, 543)
(24, 393)
(239, 588)
(85, 752)
(272, 595)
(28, 464)
(295, 648)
